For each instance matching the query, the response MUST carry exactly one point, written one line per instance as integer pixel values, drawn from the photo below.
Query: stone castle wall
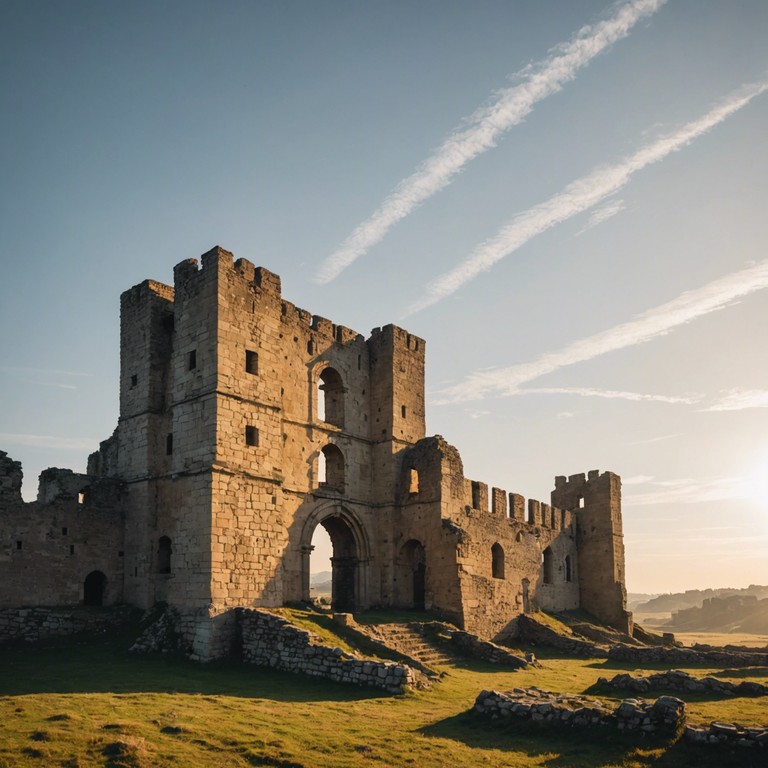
(246, 422)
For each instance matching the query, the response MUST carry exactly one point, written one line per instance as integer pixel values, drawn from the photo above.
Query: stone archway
(410, 575)
(94, 588)
(349, 561)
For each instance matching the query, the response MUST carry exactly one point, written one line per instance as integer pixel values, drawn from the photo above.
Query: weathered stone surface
(677, 680)
(686, 656)
(246, 422)
(664, 716)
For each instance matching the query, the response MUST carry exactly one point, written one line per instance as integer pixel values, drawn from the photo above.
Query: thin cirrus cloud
(610, 394)
(577, 197)
(689, 491)
(484, 127)
(602, 214)
(740, 399)
(655, 322)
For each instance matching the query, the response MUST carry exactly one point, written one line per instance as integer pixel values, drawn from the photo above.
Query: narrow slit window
(71, 549)
(18, 545)
(169, 444)
(192, 360)
(81, 498)
(251, 436)
(63, 531)
(251, 362)
(134, 380)
(403, 411)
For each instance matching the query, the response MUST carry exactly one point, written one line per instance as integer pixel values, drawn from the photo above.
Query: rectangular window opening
(192, 360)
(251, 436)
(251, 362)
(63, 531)
(18, 545)
(81, 498)
(71, 549)
(402, 411)
(134, 380)
(169, 444)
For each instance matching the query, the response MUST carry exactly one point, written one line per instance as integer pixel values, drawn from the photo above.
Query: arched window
(546, 566)
(330, 398)
(331, 468)
(497, 561)
(164, 555)
(568, 571)
(520, 538)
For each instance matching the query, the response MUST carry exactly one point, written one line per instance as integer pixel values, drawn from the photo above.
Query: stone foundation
(686, 656)
(271, 641)
(675, 680)
(33, 624)
(664, 716)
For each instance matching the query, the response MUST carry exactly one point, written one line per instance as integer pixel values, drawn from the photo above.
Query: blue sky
(566, 199)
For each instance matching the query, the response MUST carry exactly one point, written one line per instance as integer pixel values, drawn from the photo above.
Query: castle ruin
(246, 422)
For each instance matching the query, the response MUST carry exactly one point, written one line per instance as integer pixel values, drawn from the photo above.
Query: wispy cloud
(482, 129)
(42, 371)
(654, 439)
(49, 441)
(577, 197)
(603, 213)
(610, 394)
(636, 480)
(692, 491)
(740, 399)
(53, 384)
(650, 324)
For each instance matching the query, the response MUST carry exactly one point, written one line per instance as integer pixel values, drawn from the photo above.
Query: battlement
(513, 506)
(398, 336)
(577, 490)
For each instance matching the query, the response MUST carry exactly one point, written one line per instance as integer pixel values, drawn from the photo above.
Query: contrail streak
(655, 322)
(578, 196)
(484, 127)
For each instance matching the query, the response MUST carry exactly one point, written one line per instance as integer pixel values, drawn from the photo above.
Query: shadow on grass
(557, 747)
(742, 672)
(106, 666)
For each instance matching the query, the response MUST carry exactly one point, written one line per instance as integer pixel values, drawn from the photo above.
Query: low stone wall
(532, 631)
(271, 641)
(686, 656)
(728, 734)
(675, 680)
(32, 624)
(471, 645)
(665, 716)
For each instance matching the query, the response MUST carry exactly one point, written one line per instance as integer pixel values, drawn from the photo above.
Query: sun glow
(754, 486)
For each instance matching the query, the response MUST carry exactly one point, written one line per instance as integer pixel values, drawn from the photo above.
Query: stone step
(405, 640)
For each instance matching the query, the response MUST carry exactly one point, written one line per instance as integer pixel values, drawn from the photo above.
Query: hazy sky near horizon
(565, 198)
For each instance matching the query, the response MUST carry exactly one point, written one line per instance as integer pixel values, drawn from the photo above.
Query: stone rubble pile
(676, 680)
(685, 657)
(471, 645)
(729, 734)
(532, 631)
(666, 715)
(271, 641)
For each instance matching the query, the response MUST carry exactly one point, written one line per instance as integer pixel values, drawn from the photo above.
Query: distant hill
(319, 578)
(694, 598)
(732, 613)
(635, 598)
(320, 583)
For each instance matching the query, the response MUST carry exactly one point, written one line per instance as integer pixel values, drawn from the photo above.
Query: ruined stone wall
(50, 546)
(485, 559)
(595, 501)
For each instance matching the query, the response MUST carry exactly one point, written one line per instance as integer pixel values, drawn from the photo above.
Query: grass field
(90, 703)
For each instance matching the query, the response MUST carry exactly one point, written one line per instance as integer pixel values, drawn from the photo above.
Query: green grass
(88, 703)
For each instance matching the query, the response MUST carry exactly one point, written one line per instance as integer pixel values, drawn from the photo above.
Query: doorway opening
(411, 576)
(94, 588)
